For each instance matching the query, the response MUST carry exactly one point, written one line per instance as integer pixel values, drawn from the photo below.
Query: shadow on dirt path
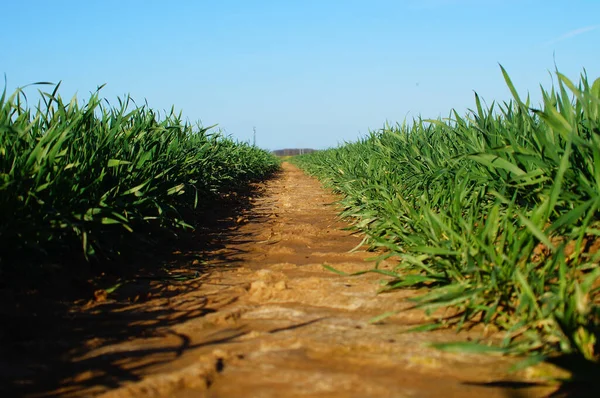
(262, 319)
(49, 328)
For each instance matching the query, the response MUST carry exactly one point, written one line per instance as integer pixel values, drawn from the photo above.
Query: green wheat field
(495, 212)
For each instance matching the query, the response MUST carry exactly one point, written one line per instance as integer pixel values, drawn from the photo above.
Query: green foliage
(496, 212)
(101, 179)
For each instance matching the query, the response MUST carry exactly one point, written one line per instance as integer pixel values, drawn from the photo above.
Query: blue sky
(305, 73)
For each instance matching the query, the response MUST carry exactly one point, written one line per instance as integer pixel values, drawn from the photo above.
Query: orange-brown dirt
(264, 319)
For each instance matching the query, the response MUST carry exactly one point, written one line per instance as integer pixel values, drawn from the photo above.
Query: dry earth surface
(264, 319)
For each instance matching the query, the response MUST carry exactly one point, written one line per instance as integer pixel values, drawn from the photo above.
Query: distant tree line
(293, 151)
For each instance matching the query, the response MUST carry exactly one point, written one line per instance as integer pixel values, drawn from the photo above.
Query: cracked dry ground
(266, 320)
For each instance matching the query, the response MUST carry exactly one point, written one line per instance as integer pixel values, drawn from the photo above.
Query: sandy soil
(264, 320)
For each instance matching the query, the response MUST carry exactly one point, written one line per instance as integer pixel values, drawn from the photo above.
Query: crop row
(101, 180)
(495, 212)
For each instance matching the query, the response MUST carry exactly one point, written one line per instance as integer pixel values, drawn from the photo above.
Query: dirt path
(269, 321)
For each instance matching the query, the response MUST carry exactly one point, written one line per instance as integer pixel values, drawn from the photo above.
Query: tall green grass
(99, 179)
(496, 212)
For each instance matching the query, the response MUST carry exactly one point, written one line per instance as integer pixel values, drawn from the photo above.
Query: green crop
(100, 179)
(496, 212)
